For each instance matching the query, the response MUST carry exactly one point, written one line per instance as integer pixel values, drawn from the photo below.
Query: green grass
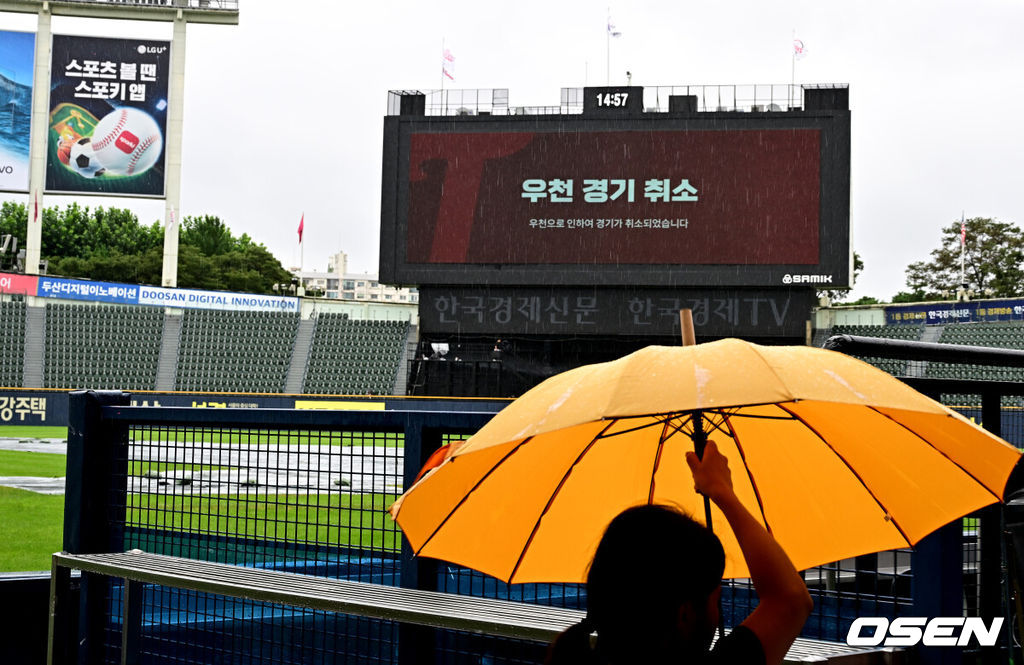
(334, 519)
(51, 465)
(21, 463)
(32, 525)
(32, 432)
(262, 436)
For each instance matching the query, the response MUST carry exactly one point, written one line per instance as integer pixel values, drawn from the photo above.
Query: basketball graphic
(127, 141)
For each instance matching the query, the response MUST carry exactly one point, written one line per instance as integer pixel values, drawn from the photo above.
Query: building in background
(337, 283)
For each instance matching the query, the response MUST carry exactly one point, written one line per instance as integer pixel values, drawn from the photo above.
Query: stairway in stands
(300, 357)
(412, 342)
(35, 333)
(168, 361)
(918, 368)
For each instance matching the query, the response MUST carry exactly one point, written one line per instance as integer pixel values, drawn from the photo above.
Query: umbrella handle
(700, 439)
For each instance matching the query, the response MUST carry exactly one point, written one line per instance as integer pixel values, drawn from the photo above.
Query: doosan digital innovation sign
(660, 199)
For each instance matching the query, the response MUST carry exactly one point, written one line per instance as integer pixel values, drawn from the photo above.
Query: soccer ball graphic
(83, 160)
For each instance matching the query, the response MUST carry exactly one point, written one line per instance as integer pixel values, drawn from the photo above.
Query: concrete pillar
(172, 158)
(37, 142)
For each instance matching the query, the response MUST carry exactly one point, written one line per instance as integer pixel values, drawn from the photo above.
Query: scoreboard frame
(833, 269)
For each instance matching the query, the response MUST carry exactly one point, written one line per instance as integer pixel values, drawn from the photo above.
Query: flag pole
(792, 65)
(963, 246)
(608, 48)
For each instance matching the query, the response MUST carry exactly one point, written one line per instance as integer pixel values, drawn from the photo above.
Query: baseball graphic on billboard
(17, 51)
(108, 116)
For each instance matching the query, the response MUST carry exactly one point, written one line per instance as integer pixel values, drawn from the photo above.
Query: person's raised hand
(711, 476)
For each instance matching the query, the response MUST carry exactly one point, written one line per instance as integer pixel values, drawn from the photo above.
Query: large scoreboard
(616, 197)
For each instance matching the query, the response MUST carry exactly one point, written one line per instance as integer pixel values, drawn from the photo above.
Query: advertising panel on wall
(25, 407)
(712, 200)
(108, 116)
(14, 284)
(972, 311)
(578, 311)
(17, 55)
(74, 289)
(134, 294)
(193, 299)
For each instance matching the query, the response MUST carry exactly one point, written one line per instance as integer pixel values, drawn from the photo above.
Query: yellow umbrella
(834, 456)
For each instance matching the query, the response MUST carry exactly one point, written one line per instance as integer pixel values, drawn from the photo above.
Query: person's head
(653, 586)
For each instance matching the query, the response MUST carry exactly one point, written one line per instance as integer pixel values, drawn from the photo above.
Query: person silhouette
(654, 584)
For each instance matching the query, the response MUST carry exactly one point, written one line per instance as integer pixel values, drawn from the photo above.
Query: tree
(837, 295)
(993, 262)
(208, 234)
(111, 245)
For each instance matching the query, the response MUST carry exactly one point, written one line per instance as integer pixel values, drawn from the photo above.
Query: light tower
(180, 13)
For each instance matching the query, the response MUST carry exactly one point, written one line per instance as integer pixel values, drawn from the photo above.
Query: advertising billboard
(17, 51)
(108, 116)
(136, 294)
(222, 300)
(504, 311)
(658, 199)
(971, 311)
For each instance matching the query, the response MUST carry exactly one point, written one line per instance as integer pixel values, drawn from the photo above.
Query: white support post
(172, 159)
(39, 132)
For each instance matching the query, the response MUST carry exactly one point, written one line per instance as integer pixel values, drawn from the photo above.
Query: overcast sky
(283, 113)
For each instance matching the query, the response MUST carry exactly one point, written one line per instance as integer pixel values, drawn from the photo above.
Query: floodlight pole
(37, 141)
(172, 161)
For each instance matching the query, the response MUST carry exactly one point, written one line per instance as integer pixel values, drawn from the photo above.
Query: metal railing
(305, 491)
(742, 98)
(205, 5)
(972, 559)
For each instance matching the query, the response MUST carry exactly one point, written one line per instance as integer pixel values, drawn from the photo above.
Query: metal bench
(536, 623)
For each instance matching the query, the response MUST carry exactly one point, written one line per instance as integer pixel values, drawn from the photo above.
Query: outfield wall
(50, 407)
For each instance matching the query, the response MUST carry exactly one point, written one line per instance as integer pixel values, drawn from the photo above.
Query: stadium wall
(50, 406)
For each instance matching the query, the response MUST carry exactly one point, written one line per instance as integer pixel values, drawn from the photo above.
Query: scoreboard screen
(727, 199)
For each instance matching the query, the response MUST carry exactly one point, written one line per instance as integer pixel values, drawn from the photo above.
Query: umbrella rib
(473, 489)
(737, 414)
(930, 445)
(750, 476)
(849, 467)
(551, 500)
(657, 458)
(666, 418)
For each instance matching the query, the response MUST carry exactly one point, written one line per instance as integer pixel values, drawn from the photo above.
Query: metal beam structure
(180, 12)
(224, 12)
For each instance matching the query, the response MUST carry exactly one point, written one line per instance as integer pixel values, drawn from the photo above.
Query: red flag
(448, 64)
(35, 214)
(302, 223)
(963, 232)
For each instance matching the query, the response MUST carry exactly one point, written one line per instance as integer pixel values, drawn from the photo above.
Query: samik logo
(936, 632)
(807, 279)
(126, 142)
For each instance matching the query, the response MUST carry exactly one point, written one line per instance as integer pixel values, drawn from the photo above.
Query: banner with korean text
(108, 116)
(74, 289)
(17, 55)
(972, 311)
(22, 285)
